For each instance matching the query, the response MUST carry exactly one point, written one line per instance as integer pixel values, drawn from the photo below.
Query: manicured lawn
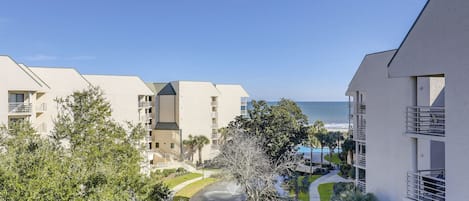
(304, 196)
(325, 191)
(335, 158)
(172, 182)
(191, 189)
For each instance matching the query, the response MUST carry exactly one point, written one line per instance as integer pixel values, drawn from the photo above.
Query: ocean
(333, 114)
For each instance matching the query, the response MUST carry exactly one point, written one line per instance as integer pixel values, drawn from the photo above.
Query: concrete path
(206, 174)
(332, 177)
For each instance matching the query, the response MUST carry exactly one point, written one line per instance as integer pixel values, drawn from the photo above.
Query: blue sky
(305, 50)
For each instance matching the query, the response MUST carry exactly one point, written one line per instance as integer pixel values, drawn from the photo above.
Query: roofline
(16, 63)
(37, 76)
(380, 52)
(408, 33)
(69, 68)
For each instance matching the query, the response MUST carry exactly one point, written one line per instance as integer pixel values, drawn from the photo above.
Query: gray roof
(156, 87)
(167, 90)
(167, 126)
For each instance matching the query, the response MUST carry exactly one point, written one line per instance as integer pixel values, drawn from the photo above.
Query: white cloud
(41, 57)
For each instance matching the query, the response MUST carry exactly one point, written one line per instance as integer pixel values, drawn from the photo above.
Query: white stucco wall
(229, 103)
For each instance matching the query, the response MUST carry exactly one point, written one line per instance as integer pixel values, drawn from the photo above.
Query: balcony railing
(143, 104)
(214, 114)
(426, 185)
(361, 185)
(215, 135)
(148, 126)
(425, 121)
(361, 109)
(214, 125)
(19, 107)
(215, 146)
(361, 160)
(148, 138)
(360, 134)
(42, 107)
(214, 103)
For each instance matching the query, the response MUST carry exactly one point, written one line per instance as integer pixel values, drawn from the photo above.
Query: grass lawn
(172, 182)
(325, 191)
(304, 196)
(335, 158)
(191, 189)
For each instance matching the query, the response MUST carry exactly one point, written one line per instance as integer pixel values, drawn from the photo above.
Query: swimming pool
(305, 149)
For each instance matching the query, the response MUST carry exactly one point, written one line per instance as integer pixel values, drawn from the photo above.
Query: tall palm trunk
(311, 160)
(200, 155)
(322, 155)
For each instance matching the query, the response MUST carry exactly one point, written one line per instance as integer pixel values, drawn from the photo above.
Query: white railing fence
(426, 185)
(423, 120)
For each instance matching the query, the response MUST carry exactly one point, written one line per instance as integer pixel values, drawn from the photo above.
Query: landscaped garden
(325, 191)
(190, 190)
(172, 182)
(302, 183)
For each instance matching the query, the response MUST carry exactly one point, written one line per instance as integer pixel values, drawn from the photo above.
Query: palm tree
(322, 138)
(200, 142)
(317, 127)
(191, 145)
(332, 142)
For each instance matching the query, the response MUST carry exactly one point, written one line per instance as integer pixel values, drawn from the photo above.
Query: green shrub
(345, 169)
(180, 198)
(353, 195)
(342, 186)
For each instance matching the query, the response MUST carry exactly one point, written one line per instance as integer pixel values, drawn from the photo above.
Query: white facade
(194, 108)
(417, 109)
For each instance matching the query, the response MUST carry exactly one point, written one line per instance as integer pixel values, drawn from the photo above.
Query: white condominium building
(411, 109)
(186, 108)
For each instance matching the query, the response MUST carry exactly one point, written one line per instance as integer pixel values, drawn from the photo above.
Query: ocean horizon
(334, 114)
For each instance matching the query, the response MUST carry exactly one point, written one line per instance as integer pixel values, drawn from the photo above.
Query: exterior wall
(229, 103)
(62, 82)
(195, 110)
(388, 150)
(167, 105)
(164, 138)
(437, 41)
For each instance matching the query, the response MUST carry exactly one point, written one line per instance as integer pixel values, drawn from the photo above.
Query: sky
(304, 50)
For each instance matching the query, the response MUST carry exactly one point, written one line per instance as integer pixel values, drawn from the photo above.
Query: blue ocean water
(333, 114)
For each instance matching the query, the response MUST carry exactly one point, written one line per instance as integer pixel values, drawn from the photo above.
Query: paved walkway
(332, 177)
(206, 173)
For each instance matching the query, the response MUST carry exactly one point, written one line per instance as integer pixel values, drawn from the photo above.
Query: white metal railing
(148, 138)
(215, 135)
(424, 120)
(42, 107)
(244, 113)
(214, 103)
(214, 114)
(361, 185)
(214, 125)
(19, 107)
(360, 134)
(361, 159)
(148, 126)
(361, 109)
(143, 104)
(215, 146)
(426, 185)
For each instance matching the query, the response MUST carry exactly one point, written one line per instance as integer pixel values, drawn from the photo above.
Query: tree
(190, 146)
(200, 142)
(348, 146)
(159, 192)
(322, 138)
(332, 141)
(282, 127)
(353, 195)
(316, 128)
(244, 159)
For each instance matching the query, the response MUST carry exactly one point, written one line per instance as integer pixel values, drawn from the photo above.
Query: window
(157, 145)
(149, 145)
(149, 110)
(243, 107)
(214, 109)
(172, 145)
(149, 98)
(150, 133)
(151, 162)
(15, 98)
(214, 98)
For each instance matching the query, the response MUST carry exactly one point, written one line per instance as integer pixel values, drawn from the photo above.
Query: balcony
(215, 146)
(361, 109)
(214, 126)
(428, 121)
(361, 185)
(19, 107)
(361, 160)
(426, 185)
(360, 134)
(214, 103)
(215, 135)
(144, 104)
(148, 138)
(148, 127)
(214, 114)
(40, 108)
